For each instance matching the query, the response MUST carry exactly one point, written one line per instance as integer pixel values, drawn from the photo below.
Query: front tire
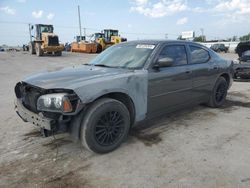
(39, 51)
(105, 125)
(98, 48)
(32, 48)
(219, 93)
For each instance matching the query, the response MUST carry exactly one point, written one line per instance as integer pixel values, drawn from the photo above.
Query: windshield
(46, 29)
(124, 56)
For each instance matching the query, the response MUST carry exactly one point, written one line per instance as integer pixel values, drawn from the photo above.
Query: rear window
(199, 55)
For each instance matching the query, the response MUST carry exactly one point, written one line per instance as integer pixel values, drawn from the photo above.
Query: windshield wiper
(102, 65)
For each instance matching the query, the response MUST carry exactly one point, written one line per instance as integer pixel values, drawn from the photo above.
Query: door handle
(188, 72)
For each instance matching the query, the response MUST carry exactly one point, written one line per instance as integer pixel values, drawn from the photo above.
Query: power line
(92, 29)
(11, 22)
(99, 29)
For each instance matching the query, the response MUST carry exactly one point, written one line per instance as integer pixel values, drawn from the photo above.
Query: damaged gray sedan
(242, 67)
(98, 103)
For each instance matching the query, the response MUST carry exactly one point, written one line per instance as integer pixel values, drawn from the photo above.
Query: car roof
(155, 42)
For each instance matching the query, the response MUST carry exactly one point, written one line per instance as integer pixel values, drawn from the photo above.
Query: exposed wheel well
(227, 77)
(126, 100)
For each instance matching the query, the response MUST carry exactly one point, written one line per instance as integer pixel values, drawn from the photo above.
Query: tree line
(202, 38)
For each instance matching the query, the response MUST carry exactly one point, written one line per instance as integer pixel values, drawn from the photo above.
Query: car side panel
(203, 76)
(203, 79)
(168, 88)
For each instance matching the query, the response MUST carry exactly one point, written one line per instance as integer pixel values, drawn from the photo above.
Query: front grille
(30, 99)
(53, 41)
(28, 95)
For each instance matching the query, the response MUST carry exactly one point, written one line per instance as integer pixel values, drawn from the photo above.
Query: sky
(135, 19)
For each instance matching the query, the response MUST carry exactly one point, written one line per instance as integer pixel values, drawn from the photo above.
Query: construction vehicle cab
(107, 38)
(80, 38)
(98, 35)
(44, 40)
(110, 34)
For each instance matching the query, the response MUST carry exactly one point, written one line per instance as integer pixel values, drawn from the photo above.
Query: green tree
(198, 39)
(233, 38)
(245, 37)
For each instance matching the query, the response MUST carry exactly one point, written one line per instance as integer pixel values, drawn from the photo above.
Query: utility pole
(80, 27)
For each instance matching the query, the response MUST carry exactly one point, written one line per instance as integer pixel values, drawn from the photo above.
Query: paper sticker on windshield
(147, 46)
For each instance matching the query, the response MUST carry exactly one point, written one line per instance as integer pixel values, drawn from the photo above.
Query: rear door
(204, 69)
(170, 87)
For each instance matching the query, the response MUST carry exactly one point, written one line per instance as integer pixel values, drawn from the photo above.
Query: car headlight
(57, 102)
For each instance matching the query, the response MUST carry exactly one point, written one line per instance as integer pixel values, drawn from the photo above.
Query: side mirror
(164, 62)
(32, 27)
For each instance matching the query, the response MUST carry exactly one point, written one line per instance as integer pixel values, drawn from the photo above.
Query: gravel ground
(193, 148)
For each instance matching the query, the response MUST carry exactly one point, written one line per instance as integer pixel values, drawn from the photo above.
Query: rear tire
(219, 93)
(105, 125)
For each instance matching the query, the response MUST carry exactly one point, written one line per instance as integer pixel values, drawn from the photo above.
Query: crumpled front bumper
(35, 119)
(242, 70)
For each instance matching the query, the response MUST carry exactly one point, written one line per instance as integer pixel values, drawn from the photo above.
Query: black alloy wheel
(109, 128)
(105, 125)
(221, 92)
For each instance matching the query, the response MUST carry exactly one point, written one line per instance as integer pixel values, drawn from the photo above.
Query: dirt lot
(198, 147)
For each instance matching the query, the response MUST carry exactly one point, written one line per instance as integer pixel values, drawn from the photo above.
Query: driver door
(170, 87)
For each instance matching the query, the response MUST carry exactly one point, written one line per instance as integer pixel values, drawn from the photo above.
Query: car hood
(242, 47)
(69, 77)
(92, 82)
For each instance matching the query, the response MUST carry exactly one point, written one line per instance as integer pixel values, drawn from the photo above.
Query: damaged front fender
(133, 84)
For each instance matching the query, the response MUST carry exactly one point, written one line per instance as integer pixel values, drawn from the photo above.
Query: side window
(175, 52)
(199, 55)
